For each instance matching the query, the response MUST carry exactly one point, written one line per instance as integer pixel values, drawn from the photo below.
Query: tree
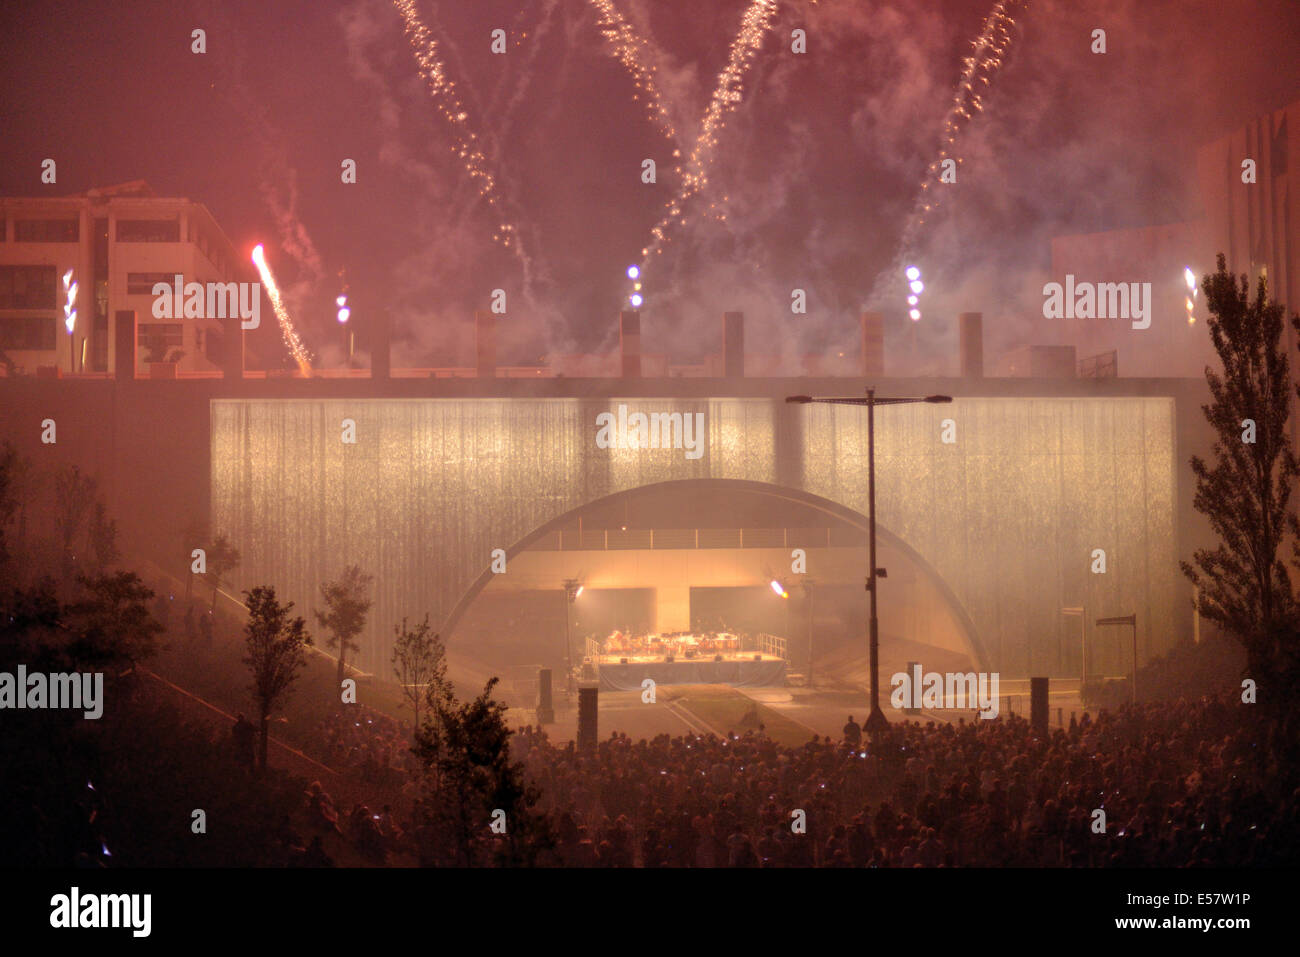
(74, 495)
(346, 601)
(1245, 493)
(110, 625)
(419, 660)
(101, 538)
(466, 750)
(222, 557)
(276, 653)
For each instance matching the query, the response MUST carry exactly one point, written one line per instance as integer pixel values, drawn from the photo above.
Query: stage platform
(735, 669)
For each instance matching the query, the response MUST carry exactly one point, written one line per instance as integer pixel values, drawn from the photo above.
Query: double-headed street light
(876, 719)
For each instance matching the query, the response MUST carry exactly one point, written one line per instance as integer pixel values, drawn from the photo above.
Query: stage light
(633, 272)
(635, 300)
(915, 314)
(912, 300)
(344, 313)
(913, 273)
(917, 286)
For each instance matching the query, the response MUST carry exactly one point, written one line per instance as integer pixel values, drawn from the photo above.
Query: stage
(734, 669)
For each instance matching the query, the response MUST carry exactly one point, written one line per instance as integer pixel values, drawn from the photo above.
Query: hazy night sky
(820, 162)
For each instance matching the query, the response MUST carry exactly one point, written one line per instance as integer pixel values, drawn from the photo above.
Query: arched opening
(693, 554)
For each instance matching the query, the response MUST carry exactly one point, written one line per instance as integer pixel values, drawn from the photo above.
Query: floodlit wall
(1008, 514)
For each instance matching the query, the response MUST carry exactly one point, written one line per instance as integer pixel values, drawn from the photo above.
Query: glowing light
(633, 272)
(912, 300)
(341, 301)
(344, 313)
(913, 273)
(287, 331)
(917, 286)
(69, 302)
(578, 593)
(915, 314)
(780, 591)
(635, 299)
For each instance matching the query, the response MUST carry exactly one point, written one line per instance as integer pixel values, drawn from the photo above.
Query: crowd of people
(1172, 784)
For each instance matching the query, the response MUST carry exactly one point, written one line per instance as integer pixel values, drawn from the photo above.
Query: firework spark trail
(465, 142)
(287, 331)
(630, 50)
(727, 95)
(979, 69)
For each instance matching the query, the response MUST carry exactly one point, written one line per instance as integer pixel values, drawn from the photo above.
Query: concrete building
(117, 242)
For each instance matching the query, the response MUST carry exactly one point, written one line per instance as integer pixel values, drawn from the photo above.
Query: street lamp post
(876, 721)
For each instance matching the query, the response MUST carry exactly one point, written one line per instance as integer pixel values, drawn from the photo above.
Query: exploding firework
(988, 52)
(464, 141)
(728, 93)
(287, 332)
(1189, 277)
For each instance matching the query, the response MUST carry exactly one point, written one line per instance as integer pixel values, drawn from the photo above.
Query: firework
(464, 141)
(287, 331)
(728, 93)
(988, 51)
(1189, 277)
(630, 50)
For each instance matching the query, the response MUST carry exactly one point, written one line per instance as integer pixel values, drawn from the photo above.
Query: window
(141, 283)
(47, 230)
(28, 287)
(149, 230)
(33, 333)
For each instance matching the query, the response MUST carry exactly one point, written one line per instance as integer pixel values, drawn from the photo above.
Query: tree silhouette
(276, 654)
(1245, 493)
(346, 603)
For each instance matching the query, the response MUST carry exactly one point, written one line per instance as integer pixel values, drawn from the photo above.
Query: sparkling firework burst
(464, 141)
(987, 54)
(727, 96)
(287, 331)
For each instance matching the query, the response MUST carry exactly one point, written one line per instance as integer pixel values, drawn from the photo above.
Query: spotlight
(915, 314)
(633, 272)
(917, 286)
(913, 273)
(912, 300)
(341, 301)
(344, 313)
(635, 300)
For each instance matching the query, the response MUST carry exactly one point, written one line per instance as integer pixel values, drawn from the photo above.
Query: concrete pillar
(672, 608)
(733, 344)
(124, 344)
(629, 340)
(971, 335)
(873, 344)
(485, 337)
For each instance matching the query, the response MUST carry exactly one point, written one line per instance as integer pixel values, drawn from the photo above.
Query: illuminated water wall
(1008, 514)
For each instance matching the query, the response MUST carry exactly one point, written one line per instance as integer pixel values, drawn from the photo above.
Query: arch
(834, 510)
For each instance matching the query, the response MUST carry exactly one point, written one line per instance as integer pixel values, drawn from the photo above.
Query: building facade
(110, 246)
